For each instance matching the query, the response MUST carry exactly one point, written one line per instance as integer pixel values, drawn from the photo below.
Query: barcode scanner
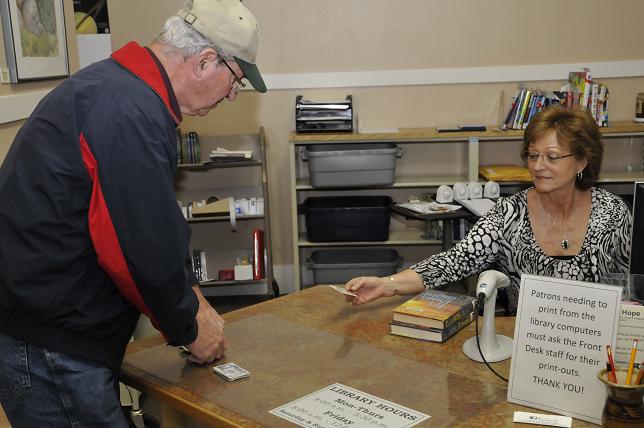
(489, 346)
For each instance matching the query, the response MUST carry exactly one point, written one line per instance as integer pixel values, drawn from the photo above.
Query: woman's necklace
(565, 242)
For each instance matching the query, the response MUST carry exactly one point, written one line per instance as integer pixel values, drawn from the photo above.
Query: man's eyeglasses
(238, 85)
(550, 158)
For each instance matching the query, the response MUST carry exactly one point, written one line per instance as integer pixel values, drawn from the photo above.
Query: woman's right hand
(368, 289)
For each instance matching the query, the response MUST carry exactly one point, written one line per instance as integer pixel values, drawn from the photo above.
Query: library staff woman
(562, 227)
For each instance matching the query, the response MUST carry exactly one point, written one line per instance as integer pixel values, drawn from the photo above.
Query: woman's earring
(580, 175)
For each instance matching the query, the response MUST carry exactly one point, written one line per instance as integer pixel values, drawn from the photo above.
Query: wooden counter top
(300, 343)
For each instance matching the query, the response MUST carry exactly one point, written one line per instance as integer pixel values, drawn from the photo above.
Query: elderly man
(91, 234)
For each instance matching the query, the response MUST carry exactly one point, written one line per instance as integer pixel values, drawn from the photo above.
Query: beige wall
(304, 36)
(300, 36)
(356, 35)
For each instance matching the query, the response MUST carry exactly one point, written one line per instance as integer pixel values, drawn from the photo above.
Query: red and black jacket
(90, 230)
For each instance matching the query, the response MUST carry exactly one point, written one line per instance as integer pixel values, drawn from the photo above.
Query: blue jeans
(42, 388)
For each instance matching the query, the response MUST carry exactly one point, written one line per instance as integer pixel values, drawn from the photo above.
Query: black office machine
(323, 116)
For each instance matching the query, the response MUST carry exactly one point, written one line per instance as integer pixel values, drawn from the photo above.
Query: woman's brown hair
(578, 130)
(575, 128)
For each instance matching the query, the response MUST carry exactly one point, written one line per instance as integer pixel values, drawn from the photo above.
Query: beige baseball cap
(229, 25)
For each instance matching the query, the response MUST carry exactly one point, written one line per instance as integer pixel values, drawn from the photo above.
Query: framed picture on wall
(34, 39)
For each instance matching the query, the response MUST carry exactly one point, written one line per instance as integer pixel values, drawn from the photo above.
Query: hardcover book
(433, 308)
(524, 107)
(517, 113)
(429, 333)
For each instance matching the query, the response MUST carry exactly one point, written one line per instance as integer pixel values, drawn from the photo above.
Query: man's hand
(210, 343)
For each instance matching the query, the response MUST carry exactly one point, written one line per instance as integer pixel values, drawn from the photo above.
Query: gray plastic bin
(337, 266)
(351, 165)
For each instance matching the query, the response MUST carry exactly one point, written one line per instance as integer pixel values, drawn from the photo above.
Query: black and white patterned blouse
(503, 240)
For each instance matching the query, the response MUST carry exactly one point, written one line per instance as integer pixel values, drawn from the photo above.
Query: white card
(231, 371)
(341, 289)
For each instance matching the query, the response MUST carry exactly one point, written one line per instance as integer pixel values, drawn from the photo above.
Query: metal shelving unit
(214, 234)
(461, 155)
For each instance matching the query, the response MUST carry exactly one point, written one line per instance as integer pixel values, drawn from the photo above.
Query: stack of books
(592, 96)
(433, 315)
(188, 147)
(579, 91)
(526, 104)
(225, 155)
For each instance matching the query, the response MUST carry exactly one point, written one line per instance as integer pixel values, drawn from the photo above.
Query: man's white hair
(179, 37)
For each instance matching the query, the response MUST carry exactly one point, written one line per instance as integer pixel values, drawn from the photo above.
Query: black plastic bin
(339, 265)
(347, 218)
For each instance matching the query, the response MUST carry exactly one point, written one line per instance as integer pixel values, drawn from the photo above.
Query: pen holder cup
(624, 406)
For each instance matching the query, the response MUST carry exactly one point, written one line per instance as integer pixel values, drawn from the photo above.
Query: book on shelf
(579, 91)
(594, 93)
(188, 148)
(222, 154)
(432, 334)
(521, 115)
(530, 111)
(590, 95)
(204, 270)
(537, 105)
(503, 126)
(434, 308)
(199, 264)
(526, 104)
(516, 109)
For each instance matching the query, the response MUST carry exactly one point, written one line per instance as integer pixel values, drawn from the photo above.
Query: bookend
(493, 347)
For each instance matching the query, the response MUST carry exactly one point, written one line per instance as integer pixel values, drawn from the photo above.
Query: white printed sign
(339, 406)
(560, 337)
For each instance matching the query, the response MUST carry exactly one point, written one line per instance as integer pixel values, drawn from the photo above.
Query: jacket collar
(142, 63)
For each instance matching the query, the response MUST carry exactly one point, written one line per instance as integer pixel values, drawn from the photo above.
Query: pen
(631, 363)
(609, 372)
(612, 376)
(640, 375)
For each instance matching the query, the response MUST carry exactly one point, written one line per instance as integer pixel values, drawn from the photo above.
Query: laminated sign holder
(561, 333)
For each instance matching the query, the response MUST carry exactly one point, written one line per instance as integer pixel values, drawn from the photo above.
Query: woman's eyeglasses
(238, 85)
(550, 158)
